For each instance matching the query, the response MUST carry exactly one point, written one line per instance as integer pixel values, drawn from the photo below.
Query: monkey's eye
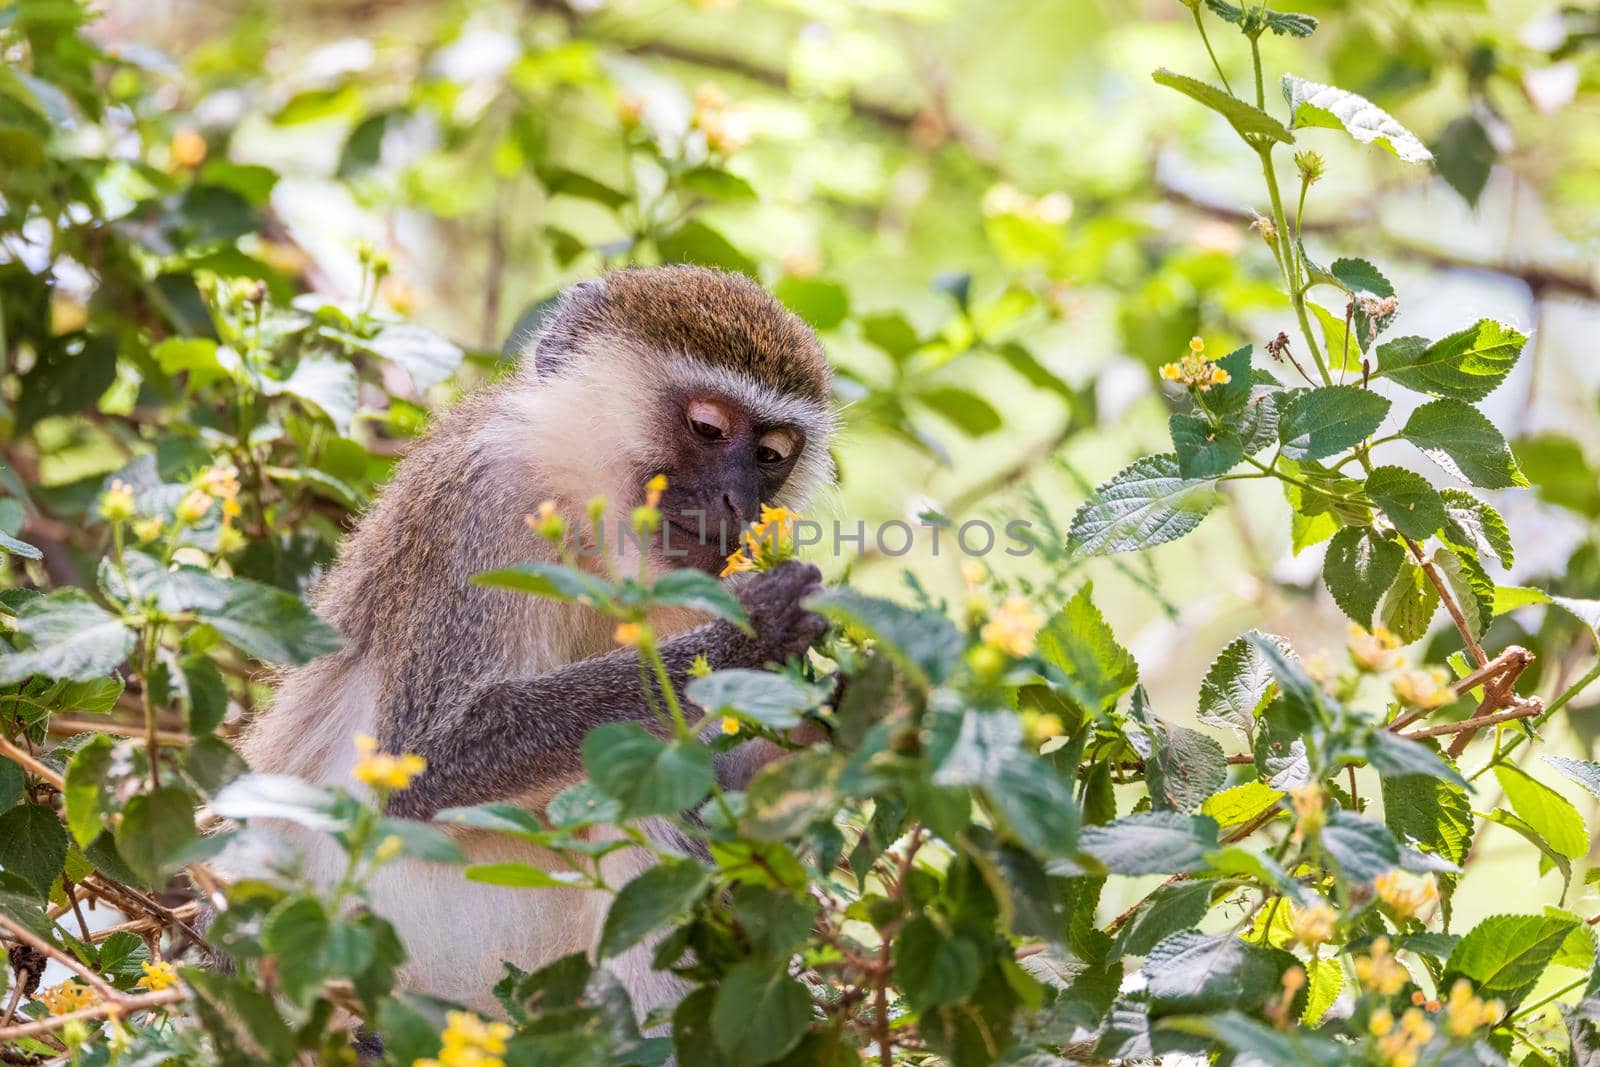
(775, 446)
(708, 420)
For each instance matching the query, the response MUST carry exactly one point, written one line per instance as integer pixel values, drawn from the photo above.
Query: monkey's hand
(774, 602)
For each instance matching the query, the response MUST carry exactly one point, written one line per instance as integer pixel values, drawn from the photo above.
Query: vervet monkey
(682, 371)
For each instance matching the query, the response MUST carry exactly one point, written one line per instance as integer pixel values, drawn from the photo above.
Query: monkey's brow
(767, 405)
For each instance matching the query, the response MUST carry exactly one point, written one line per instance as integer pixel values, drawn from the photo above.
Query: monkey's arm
(507, 739)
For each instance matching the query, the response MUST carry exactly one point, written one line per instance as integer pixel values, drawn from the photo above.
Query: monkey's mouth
(695, 545)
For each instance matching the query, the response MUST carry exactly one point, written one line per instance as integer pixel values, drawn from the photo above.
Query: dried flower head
(1375, 651)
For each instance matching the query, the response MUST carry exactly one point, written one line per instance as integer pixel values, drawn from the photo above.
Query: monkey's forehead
(725, 321)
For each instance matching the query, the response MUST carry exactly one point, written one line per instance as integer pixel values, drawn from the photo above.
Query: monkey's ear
(577, 313)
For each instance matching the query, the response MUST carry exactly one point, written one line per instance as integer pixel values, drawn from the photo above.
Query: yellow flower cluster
(1375, 651)
(1400, 1044)
(1013, 628)
(1195, 370)
(117, 504)
(700, 667)
(68, 997)
(546, 521)
(468, 1041)
(1040, 727)
(647, 516)
(632, 634)
(767, 543)
(1310, 812)
(1466, 1011)
(725, 125)
(1379, 972)
(158, 975)
(730, 724)
(1313, 925)
(1406, 895)
(1425, 689)
(382, 769)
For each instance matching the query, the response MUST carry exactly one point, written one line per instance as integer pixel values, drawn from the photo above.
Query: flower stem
(1206, 40)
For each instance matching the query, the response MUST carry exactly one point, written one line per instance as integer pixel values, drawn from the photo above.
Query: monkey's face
(727, 459)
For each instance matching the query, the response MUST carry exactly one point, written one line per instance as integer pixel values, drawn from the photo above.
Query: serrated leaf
(1435, 814)
(1359, 568)
(85, 802)
(1470, 587)
(660, 895)
(923, 642)
(1584, 772)
(1253, 19)
(774, 700)
(33, 846)
(1238, 804)
(328, 384)
(1079, 642)
(687, 588)
(1170, 908)
(1184, 766)
(1505, 955)
(1408, 607)
(1195, 972)
(1549, 813)
(760, 1012)
(1323, 422)
(1203, 452)
(1154, 842)
(1469, 523)
(1459, 438)
(1362, 848)
(1147, 504)
(1235, 686)
(268, 623)
(1314, 104)
(1248, 121)
(647, 775)
(69, 636)
(1414, 506)
(1467, 365)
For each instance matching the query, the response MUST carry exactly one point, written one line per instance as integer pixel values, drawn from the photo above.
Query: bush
(925, 886)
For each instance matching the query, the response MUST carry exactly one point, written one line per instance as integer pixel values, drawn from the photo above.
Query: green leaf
(933, 967)
(18, 548)
(695, 242)
(790, 794)
(427, 357)
(67, 636)
(1147, 504)
(1238, 804)
(1393, 756)
(550, 580)
(242, 1011)
(295, 932)
(1314, 104)
(1195, 972)
(1435, 814)
(522, 875)
(1170, 908)
(686, 588)
(660, 895)
(205, 694)
(1360, 567)
(1464, 156)
(1235, 686)
(1203, 452)
(1414, 506)
(1257, 1043)
(890, 331)
(85, 803)
(270, 624)
(1184, 766)
(718, 184)
(760, 1013)
(1323, 422)
(281, 796)
(925, 643)
(649, 776)
(327, 384)
(1078, 640)
(1549, 813)
(984, 749)
(971, 413)
(155, 830)
(1363, 849)
(1584, 772)
(1254, 18)
(1246, 120)
(559, 181)
(774, 700)
(1155, 842)
(1409, 606)
(33, 846)
(1471, 524)
(1459, 438)
(1467, 365)
(1559, 469)
(823, 304)
(1505, 955)
(1470, 586)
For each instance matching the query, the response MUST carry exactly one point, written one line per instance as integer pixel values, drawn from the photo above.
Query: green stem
(1557, 995)
(1201, 26)
(1290, 260)
(1255, 59)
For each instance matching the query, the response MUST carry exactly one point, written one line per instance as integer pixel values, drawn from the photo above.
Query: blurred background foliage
(1000, 226)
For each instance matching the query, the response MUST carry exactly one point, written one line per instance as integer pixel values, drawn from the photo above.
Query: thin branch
(37, 769)
(66, 959)
(1469, 726)
(121, 1006)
